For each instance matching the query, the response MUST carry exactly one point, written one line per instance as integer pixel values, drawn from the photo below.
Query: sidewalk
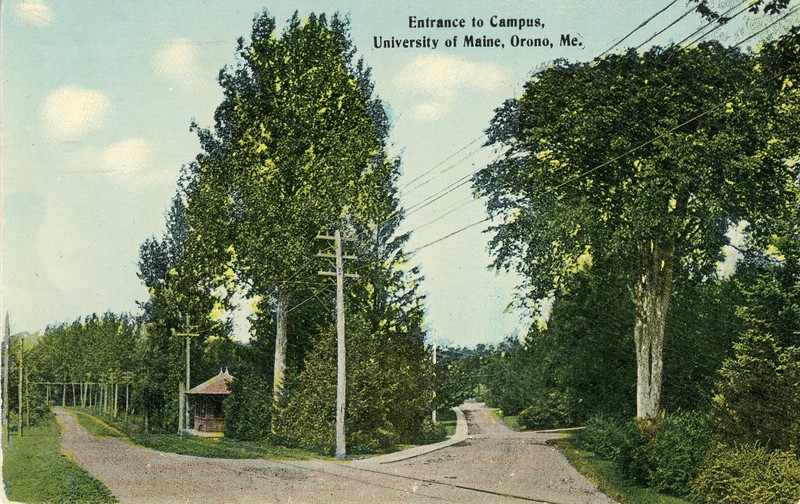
(459, 436)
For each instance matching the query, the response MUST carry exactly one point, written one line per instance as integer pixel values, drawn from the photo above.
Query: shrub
(602, 436)
(248, 409)
(636, 459)
(755, 400)
(664, 454)
(750, 473)
(679, 452)
(551, 412)
(430, 432)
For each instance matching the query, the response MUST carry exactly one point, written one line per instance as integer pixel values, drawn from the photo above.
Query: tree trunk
(652, 300)
(279, 370)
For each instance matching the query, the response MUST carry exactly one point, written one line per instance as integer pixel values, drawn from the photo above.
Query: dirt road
(495, 464)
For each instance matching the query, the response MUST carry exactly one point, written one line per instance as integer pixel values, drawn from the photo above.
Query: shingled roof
(218, 385)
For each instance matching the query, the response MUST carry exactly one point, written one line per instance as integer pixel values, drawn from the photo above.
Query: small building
(208, 397)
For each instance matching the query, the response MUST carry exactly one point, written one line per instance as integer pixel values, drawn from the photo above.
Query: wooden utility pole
(433, 414)
(341, 356)
(19, 422)
(181, 414)
(127, 378)
(185, 398)
(6, 349)
(27, 399)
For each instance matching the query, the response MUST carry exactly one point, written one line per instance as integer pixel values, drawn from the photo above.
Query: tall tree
(294, 152)
(646, 157)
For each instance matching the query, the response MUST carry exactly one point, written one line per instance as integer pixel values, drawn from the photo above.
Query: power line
(718, 23)
(448, 158)
(642, 25)
(438, 195)
(423, 184)
(666, 28)
(461, 181)
(606, 163)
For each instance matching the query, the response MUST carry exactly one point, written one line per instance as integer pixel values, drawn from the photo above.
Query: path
(492, 465)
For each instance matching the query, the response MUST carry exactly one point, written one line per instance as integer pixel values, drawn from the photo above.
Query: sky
(98, 96)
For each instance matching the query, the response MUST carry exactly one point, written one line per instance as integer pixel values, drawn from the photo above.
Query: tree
(293, 143)
(649, 158)
(767, 7)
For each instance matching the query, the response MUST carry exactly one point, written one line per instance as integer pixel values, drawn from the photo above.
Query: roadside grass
(35, 470)
(450, 426)
(221, 447)
(605, 476)
(447, 417)
(189, 445)
(511, 421)
(93, 424)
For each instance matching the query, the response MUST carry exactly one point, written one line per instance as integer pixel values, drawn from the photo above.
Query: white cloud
(128, 158)
(177, 61)
(440, 78)
(34, 13)
(70, 112)
(443, 74)
(429, 110)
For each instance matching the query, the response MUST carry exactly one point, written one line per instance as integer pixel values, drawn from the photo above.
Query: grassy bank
(511, 421)
(187, 445)
(35, 470)
(605, 476)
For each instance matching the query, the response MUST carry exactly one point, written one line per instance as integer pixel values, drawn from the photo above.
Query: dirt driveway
(495, 464)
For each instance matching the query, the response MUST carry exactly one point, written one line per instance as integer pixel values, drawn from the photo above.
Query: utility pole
(19, 423)
(433, 414)
(27, 399)
(185, 398)
(6, 349)
(341, 360)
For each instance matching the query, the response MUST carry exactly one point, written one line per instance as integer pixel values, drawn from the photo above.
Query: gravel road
(495, 464)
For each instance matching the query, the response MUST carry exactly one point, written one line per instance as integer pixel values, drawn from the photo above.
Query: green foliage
(603, 436)
(656, 195)
(756, 400)
(678, 452)
(605, 475)
(458, 374)
(386, 403)
(746, 473)
(430, 433)
(298, 149)
(635, 459)
(248, 409)
(550, 412)
(310, 415)
(664, 455)
(703, 327)
(586, 346)
(35, 470)
(507, 374)
(664, 188)
(220, 448)
(93, 424)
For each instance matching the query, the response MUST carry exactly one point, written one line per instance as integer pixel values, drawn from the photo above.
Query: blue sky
(98, 96)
